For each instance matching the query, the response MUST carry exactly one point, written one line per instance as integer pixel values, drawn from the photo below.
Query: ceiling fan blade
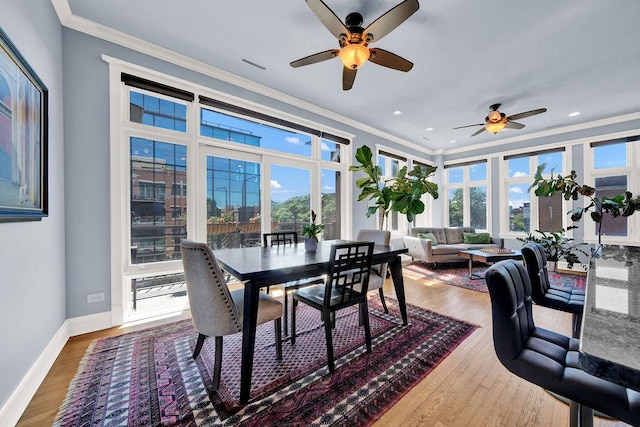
(348, 76)
(482, 129)
(316, 57)
(390, 60)
(328, 18)
(514, 125)
(388, 21)
(527, 114)
(468, 126)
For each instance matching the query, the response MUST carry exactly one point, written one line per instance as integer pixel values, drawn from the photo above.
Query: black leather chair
(547, 358)
(548, 295)
(346, 285)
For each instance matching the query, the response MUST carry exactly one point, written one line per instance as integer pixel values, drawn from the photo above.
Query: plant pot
(310, 244)
(551, 265)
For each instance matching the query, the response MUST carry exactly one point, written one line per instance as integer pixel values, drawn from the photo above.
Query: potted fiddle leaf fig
(557, 246)
(311, 232)
(620, 205)
(401, 193)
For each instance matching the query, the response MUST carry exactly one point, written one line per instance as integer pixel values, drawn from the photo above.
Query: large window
(525, 212)
(612, 169)
(184, 165)
(466, 190)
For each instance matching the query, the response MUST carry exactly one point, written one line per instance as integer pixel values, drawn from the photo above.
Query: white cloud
(275, 185)
(519, 174)
(328, 188)
(516, 190)
(293, 140)
(325, 147)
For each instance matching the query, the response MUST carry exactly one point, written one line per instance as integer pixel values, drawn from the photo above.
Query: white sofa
(450, 242)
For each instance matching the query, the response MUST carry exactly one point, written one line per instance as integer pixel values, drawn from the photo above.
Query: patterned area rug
(149, 378)
(457, 274)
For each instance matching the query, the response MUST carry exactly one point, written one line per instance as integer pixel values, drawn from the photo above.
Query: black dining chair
(547, 295)
(288, 238)
(350, 266)
(547, 358)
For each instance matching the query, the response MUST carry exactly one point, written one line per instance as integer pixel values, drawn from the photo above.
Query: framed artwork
(23, 138)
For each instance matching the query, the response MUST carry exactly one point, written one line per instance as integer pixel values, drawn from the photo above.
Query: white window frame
(631, 171)
(528, 180)
(122, 129)
(466, 186)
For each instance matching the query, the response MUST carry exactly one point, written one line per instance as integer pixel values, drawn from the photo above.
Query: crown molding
(83, 25)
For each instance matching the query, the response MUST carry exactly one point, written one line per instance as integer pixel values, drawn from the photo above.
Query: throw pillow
(429, 236)
(476, 238)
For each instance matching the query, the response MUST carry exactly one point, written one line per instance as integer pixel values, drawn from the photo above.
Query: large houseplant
(620, 205)
(557, 246)
(401, 193)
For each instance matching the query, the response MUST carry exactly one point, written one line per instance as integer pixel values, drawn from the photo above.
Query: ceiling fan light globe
(354, 55)
(494, 116)
(495, 127)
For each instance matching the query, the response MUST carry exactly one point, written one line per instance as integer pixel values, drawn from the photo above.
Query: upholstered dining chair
(547, 295)
(378, 271)
(287, 238)
(350, 265)
(215, 310)
(547, 358)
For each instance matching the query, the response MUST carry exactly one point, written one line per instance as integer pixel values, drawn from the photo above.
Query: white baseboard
(15, 405)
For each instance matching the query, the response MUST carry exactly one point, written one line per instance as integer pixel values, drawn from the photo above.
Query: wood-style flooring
(469, 388)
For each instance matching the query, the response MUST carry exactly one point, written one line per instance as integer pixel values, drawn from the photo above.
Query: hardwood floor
(469, 387)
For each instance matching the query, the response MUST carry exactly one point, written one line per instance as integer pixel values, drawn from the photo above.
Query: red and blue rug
(149, 378)
(457, 274)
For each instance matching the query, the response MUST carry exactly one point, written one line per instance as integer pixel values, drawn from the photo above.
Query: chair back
(379, 237)
(213, 311)
(350, 266)
(511, 308)
(280, 238)
(536, 262)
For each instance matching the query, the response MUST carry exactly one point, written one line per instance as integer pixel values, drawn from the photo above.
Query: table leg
(470, 266)
(398, 283)
(251, 299)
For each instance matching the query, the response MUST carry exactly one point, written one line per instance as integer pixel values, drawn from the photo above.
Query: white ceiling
(567, 55)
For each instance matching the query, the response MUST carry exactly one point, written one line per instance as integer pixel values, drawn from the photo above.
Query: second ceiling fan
(496, 121)
(354, 39)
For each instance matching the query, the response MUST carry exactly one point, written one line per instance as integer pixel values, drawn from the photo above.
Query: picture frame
(23, 138)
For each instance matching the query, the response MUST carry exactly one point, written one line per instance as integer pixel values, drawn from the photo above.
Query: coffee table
(487, 258)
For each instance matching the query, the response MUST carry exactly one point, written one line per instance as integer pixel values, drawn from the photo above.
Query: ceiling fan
(496, 121)
(354, 39)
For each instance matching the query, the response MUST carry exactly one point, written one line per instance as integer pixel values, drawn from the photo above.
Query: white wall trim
(18, 401)
(69, 20)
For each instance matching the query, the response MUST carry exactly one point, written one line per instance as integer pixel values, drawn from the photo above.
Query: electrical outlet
(91, 298)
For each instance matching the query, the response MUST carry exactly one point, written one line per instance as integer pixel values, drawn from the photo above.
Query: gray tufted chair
(216, 311)
(546, 358)
(379, 271)
(547, 295)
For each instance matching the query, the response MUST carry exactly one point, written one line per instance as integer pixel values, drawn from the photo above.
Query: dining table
(258, 267)
(610, 330)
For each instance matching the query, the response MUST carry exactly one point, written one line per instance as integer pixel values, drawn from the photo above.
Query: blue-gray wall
(32, 254)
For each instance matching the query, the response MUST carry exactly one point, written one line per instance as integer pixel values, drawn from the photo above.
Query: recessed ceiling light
(397, 113)
(452, 141)
(429, 129)
(575, 113)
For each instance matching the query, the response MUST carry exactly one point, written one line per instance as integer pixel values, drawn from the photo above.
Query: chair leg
(329, 340)
(577, 323)
(384, 303)
(293, 322)
(217, 366)
(199, 344)
(278, 331)
(286, 312)
(364, 308)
